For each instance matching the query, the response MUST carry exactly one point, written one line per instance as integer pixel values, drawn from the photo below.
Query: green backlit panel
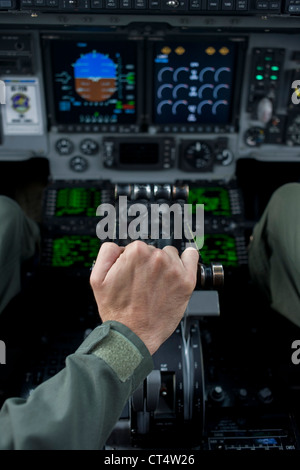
(74, 251)
(77, 201)
(220, 248)
(216, 200)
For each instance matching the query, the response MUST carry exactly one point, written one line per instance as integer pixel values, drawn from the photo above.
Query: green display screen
(77, 202)
(215, 199)
(220, 248)
(74, 251)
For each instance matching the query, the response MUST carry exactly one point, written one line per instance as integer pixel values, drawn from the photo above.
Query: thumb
(189, 259)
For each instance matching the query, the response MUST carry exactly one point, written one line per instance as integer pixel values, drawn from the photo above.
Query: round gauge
(293, 132)
(78, 164)
(198, 155)
(255, 136)
(89, 147)
(64, 146)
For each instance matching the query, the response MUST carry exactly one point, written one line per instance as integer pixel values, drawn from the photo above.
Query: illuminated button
(259, 77)
(294, 9)
(274, 5)
(227, 4)
(224, 50)
(172, 3)
(262, 5)
(274, 68)
(213, 5)
(68, 4)
(268, 58)
(140, 4)
(260, 68)
(166, 50)
(273, 77)
(210, 50)
(96, 4)
(195, 5)
(180, 50)
(111, 3)
(5, 4)
(241, 5)
(154, 4)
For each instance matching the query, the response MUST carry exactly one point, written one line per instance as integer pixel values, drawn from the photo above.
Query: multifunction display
(193, 82)
(94, 82)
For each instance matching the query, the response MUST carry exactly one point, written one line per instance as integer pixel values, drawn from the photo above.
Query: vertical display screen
(94, 81)
(77, 202)
(74, 251)
(193, 82)
(216, 200)
(221, 248)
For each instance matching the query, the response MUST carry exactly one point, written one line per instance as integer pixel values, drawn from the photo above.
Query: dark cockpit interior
(161, 101)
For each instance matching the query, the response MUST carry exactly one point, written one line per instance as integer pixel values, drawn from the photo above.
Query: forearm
(77, 408)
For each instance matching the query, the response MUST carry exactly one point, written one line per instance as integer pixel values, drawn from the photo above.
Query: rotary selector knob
(173, 3)
(255, 136)
(217, 394)
(79, 164)
(64, 146)
(198, 155)
(89, 147)
(224, 157)
(293, 131)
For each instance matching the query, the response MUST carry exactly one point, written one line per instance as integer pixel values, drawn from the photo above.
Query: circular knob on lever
(210, 277)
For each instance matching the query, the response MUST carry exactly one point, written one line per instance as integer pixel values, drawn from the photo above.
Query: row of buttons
(199, 129)
(293, 6)
(180, 5)
(264, 5)
(99, 129)
(214, 5)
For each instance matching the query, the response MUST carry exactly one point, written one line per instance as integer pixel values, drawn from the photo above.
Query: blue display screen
(193, 82)
(94, 82)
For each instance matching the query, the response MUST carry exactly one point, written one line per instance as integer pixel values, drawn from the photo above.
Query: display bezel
(193, 38)
(110, 38)
(136, 166)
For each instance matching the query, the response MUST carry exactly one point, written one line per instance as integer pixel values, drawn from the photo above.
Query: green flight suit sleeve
(78, 408)
(274, 254)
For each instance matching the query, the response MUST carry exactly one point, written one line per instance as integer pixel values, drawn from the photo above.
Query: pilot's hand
(145, 288)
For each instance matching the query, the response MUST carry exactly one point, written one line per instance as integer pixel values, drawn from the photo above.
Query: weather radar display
(94, 83)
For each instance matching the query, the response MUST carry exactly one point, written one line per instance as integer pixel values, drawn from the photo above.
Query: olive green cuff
(121, 349)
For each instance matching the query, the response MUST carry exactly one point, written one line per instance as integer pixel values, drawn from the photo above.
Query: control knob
(264, 110)
(255, 136)
(293, 131)
(64, 146)
(78, 164)
(173, 3)
(224, 157)
(198, 155)
(89, 147)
